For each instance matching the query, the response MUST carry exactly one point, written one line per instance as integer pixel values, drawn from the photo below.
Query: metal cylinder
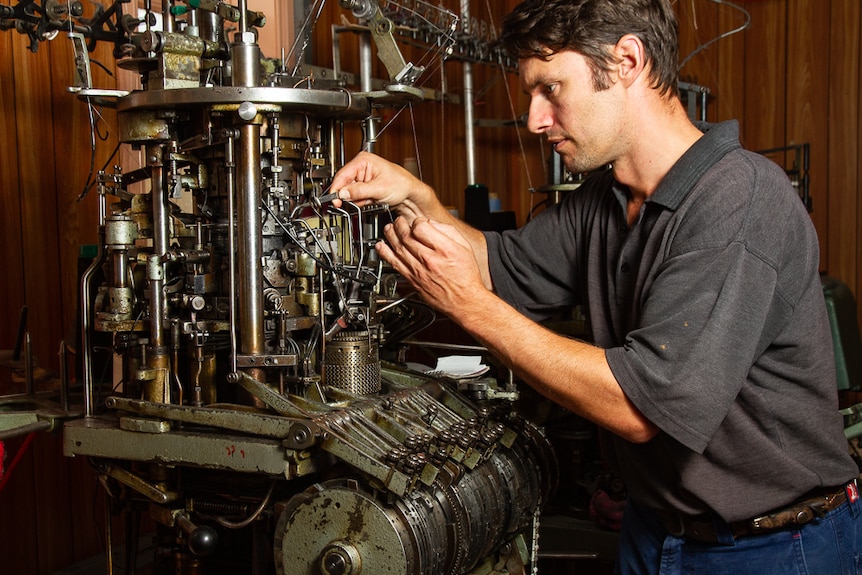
(249, 244)
(158, 362)
(469, 120)
(210, 27)
(245, 62)
(352, 363)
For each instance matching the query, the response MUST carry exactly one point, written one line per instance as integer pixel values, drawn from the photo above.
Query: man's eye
(551, 88)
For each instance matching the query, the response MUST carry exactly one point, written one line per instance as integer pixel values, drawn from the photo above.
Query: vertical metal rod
(230, 172)
(86, 350)
(469, 132)
(28, 364)
(336, 51)
(158, 360)
(249, 235)
(64, 377)
(168, 23)
(245, 55)
(22, 329)
(109, 540)
(161, 243)
(365, 61)
(243, 15)
(365, 84)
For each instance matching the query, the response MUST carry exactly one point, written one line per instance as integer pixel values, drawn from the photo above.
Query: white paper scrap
(459, 366)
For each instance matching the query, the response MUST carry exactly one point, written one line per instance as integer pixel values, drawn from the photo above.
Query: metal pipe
(168, 22)
(158, 361)
(64, 377)
(469, 113)
(245, 54)
(249, 236)
(210, 26)
(243, 16)
(366, 85)
(365, 61)
(26, 429)
(161, 244)
(230, 170)
(28, 364)
(86, 309)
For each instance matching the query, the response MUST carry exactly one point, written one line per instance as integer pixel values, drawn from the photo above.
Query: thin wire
(415, 142)
(304, 34)
(702, 47)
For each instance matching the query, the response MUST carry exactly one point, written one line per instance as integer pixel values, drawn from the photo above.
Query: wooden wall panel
(844, 70)
(808, 99)
(49, 155)
(37, 185)
(12, 288)
(19, 531)
(854, 166)
(698, 25)
(16, 500)
(765, 59)
(731, 85)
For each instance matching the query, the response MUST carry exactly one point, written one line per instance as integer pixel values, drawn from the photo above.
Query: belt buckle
(757, 523)
(674, 524)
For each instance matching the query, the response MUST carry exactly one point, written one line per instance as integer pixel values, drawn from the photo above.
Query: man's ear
(631, 59)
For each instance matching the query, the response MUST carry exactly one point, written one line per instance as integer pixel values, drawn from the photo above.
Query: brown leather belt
(704, 528)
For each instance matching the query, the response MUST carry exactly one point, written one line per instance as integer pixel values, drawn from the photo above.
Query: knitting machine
(244, 348)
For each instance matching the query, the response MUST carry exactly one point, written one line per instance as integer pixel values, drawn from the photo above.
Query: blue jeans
(831, 545)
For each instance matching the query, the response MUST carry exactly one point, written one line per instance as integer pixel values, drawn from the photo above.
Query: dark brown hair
(541, 28)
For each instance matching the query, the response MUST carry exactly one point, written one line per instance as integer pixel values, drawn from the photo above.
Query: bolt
(334, 563)
(300, 436)
(247, 111)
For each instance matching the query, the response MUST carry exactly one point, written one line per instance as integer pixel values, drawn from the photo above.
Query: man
(712, 365)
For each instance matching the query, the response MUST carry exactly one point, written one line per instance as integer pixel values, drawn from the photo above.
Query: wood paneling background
(792, 77)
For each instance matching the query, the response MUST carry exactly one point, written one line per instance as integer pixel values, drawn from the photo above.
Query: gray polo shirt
(712, 315)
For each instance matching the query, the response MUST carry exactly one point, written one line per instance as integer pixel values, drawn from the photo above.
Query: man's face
(582, 124)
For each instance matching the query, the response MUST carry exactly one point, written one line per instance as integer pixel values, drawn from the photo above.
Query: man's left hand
(436, 259)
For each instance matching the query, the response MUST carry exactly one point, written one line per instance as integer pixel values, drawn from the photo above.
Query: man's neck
(663, 134)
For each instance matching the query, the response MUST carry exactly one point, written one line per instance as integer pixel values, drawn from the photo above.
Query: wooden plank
(38, 207)
(729, 103)
(53, 520)
(19, 537)
(77, 221)
(12, 286)
(699, 25)
(857, 193)
(765, 44)
(843, 232)
(808, 100)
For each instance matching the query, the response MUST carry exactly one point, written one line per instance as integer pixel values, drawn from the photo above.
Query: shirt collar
(717, 141)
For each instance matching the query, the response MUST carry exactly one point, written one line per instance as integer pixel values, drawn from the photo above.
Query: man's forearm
(571, 373)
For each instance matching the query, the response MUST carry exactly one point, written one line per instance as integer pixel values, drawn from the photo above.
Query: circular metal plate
(339, 516)
(337, 103)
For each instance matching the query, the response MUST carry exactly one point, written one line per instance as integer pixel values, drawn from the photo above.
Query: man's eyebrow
(538, 81)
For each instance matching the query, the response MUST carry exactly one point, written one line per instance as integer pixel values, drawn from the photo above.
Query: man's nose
(539, 118)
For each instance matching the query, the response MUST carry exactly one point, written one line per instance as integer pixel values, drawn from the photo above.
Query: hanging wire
(745, 25)
(304, 35)
(493, 28)
(91, 181)
(415, 142)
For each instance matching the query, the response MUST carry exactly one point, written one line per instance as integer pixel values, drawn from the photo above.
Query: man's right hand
(368, 178)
